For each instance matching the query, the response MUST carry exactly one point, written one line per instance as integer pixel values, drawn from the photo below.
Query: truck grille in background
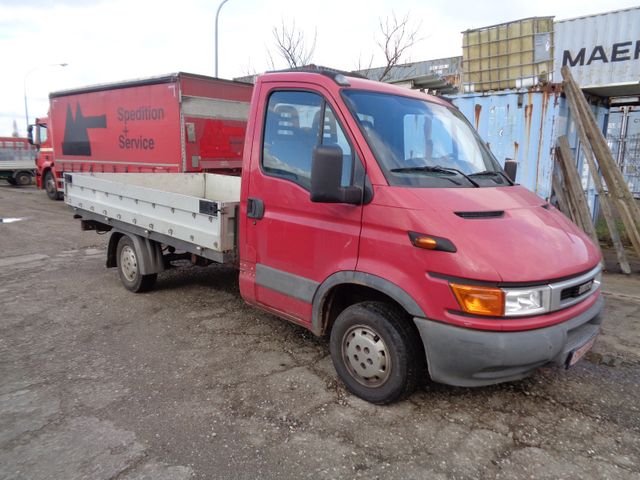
(487, 214)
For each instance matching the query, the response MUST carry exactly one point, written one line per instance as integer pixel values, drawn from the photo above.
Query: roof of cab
(330, 78)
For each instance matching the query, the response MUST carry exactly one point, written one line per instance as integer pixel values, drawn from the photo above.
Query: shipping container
(602, 51)
(520, 125)
(511, 55)
(524, 125)
(623, 137)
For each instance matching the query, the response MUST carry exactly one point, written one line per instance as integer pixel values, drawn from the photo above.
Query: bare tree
(292, 46)
(360, 66)
(397, 36)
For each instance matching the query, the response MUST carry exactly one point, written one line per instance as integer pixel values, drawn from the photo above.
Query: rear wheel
(50, 186)
(129, 268)
(377, 352)
(23, 179)
(12, 181)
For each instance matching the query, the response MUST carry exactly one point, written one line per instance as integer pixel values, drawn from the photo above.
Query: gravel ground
(189, 382)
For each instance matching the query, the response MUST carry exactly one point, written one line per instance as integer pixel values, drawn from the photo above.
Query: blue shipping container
(524, 125)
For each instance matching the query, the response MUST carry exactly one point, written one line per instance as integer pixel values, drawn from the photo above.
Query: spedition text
(145, 113)
(139, 143)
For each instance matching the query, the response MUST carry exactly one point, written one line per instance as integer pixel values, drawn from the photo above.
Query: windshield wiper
(426, 168)
(436, 168)
(492, 173)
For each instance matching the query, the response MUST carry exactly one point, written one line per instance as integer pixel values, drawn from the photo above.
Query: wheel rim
(24, 180)
(128, 263)
(366, 356)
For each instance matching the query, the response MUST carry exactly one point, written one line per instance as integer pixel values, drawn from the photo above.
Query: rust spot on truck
(477, 111)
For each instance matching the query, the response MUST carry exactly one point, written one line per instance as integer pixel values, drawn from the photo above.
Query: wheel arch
(112, 249)
(149, 252)
(344, 288)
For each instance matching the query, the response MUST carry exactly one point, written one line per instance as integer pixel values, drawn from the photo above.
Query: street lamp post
(216, 47)
(24, 84)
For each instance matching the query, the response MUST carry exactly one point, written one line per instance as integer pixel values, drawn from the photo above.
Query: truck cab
(46, 177)
(362, 202)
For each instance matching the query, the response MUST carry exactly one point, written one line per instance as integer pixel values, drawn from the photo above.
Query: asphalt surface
(189, 382)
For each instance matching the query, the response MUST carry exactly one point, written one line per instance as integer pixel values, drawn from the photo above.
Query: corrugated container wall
(520, 126)
(524, 126)
(601, 50)
(511, 55)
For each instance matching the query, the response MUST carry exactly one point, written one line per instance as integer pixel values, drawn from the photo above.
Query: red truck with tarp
(173, 123)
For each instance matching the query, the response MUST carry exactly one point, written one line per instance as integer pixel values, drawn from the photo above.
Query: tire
(12, 181)
(128, 268)
(23, 179)
(377, 352)
(50, 187)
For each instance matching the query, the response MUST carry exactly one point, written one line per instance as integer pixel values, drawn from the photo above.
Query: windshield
(418, 143)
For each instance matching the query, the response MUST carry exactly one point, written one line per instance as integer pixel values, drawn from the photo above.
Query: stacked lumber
(613, 192)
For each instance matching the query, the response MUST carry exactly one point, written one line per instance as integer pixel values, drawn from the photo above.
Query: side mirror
(326, 176)
(30, 134)
(511, 168)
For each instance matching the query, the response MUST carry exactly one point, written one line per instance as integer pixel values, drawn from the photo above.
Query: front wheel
(377, 352)
(129, 268)
(50, 186)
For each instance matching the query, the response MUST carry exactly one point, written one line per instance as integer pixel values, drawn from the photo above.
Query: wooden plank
(559, 192)
(633, 234)
(606, 207)
(571, 201)
(572, 180)
(616, 183)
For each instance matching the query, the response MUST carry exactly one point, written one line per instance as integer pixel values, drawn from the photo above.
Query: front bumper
(471, 358)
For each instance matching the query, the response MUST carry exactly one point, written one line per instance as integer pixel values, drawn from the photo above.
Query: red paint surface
(527, 244)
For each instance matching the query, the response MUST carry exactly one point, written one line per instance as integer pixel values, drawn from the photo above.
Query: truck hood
(503, 234)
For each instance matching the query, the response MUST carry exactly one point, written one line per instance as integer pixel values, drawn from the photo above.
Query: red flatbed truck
(376, 216)
(173, 123)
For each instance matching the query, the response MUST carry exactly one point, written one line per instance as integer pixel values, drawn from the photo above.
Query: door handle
(255, 208)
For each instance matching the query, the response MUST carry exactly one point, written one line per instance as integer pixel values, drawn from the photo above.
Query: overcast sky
(114, 40)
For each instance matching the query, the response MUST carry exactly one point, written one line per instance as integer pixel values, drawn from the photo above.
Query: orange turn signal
(479, 300)
(426, 242)
(431, 242)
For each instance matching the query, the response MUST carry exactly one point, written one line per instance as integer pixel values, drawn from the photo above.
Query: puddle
(12, 219)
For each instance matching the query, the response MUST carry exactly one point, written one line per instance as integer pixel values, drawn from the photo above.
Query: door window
(293, 127)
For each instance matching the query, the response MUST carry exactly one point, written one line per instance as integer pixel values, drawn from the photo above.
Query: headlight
(531, 301)
(502, 302)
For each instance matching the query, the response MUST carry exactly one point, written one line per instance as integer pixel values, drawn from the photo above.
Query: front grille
(565, 293)
(576, 291)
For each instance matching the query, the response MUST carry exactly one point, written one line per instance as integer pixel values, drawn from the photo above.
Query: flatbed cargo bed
(195, 212)
(17, 164)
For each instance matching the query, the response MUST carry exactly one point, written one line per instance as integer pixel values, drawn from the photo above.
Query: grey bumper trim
(469, 358)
